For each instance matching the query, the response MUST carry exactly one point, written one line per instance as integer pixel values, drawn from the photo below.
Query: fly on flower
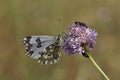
(46, 49)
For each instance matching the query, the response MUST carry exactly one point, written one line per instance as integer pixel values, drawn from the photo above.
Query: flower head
(78, 37)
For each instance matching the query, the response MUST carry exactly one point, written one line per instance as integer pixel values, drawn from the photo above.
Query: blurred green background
(19, 18)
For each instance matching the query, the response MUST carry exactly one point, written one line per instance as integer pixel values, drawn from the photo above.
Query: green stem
(93, 61)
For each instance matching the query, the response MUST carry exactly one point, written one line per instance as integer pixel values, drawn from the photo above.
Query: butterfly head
(59, 38)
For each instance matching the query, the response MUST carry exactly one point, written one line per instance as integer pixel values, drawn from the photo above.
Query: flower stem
(93, 61)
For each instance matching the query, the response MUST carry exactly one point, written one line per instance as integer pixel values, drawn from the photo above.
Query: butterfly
(45, 49)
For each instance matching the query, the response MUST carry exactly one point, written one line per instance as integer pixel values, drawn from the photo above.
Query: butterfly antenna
(59, 32)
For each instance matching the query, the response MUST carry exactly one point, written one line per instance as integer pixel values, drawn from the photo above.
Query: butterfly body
(46, 49)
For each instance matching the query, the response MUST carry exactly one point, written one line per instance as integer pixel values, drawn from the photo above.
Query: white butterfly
(46, 49)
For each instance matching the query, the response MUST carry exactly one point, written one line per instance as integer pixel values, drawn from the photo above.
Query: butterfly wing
(46, 49)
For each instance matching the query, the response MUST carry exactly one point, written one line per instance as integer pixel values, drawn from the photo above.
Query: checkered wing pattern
(46, 49)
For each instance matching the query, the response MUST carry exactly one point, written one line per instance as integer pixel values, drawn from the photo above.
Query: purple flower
(78, 37)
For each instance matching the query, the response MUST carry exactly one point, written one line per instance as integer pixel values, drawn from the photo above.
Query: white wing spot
(39, 61)
(55, 61)
(46, 62)
(45, 56)
(24, 39)
(51, 62)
